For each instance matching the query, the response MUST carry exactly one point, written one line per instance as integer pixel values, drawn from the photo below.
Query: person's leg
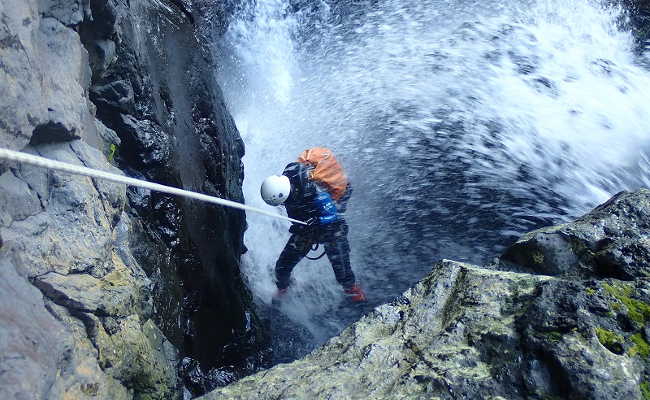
(296, 248)
(338, 252)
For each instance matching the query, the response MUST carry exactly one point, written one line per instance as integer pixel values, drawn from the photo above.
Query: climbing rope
(25, 158)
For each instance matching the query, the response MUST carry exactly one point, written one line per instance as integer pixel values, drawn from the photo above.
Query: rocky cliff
(576, 326)
(108, 292)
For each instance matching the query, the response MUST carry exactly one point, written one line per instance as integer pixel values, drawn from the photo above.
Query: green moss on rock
(641, 347)
(637, 310)
(645, 390)
(554, 336)
(612, 341)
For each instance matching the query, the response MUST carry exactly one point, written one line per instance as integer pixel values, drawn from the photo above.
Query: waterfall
(462, 125)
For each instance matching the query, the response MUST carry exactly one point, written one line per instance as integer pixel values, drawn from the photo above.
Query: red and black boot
(356, 294)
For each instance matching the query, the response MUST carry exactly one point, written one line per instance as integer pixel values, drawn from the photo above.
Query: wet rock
(102, 54)
(609, 242)
(118, 94)
(174, 128)
(148, 145)
(468, 332)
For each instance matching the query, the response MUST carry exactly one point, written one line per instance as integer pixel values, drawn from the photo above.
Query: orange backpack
(327, 170)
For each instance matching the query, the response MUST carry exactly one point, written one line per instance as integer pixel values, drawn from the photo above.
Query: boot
(356, 294)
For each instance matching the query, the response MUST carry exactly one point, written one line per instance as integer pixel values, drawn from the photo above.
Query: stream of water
(462, 125)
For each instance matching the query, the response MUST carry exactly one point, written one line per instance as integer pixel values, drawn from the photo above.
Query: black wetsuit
(334, 236)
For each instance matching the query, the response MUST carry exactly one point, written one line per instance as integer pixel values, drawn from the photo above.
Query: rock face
(610, 242)
(44, 70)
(89, 330)
(104, 290)
(466, 332)
(160, 96)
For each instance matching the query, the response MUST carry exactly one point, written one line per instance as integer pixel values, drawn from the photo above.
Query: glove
(312, 224)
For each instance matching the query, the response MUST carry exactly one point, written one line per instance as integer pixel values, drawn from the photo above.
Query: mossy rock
(637, 310)
(645, 390)
(640, 347)
(612, 341)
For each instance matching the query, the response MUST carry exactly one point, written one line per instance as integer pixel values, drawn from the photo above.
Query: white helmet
(275, 190)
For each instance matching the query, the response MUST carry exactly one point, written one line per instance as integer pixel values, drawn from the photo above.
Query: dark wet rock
(199, 381)
(102, 54)
(145, 144)
(118, 94)
(162, 101)
(469, 332)
(609, 242)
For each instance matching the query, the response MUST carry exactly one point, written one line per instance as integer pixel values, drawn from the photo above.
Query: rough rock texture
(153, 85)
(44, 70)
(104, 290)
(89, 331)
(466, 332)
(613, 241)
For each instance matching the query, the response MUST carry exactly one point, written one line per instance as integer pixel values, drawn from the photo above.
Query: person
(315, 190)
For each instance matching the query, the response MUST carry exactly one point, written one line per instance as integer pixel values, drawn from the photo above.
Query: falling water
(462, 125)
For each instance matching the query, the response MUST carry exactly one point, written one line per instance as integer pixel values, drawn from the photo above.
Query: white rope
(78, 170)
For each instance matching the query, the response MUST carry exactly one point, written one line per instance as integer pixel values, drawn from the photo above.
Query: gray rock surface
(44, 70)
(613, 241)
(467, 332)
(91, 321)
(91, 289)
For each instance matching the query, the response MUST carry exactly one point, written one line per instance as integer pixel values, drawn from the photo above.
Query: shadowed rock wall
(104, 290)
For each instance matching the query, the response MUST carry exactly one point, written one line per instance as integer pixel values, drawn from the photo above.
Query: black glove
(302, 229)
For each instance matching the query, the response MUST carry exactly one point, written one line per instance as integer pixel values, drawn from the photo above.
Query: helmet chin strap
(30, 159)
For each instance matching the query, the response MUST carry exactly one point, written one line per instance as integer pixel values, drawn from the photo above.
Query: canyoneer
(315, 189)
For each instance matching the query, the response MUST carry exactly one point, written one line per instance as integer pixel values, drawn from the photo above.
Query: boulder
(465, 332)
(612, 241)
(576, 327)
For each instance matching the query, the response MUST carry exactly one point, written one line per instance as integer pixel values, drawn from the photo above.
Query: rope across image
(24, 158)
